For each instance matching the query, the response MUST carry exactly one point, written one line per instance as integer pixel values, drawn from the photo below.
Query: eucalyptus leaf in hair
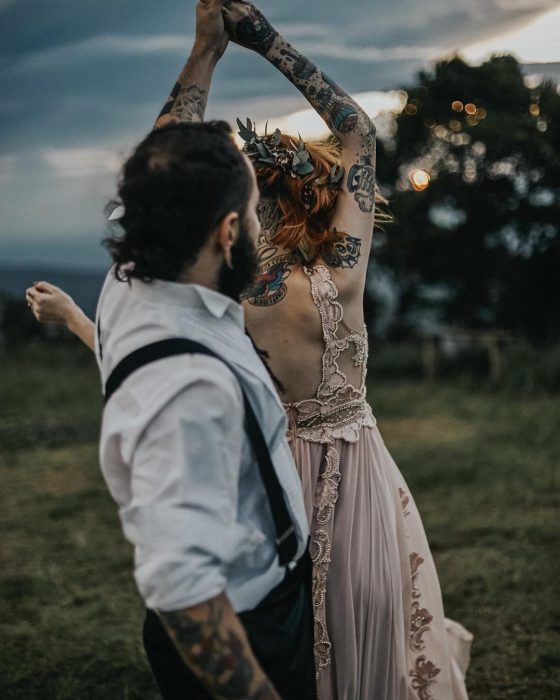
(247, 133)
(336, 175)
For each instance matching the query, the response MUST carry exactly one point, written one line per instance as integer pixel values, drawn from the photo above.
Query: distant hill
(551, 71)
(83, 286)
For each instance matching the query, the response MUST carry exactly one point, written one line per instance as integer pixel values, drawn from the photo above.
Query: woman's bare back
(292, 334)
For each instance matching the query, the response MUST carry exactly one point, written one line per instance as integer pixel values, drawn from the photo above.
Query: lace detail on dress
(425, 672)
(338, 410)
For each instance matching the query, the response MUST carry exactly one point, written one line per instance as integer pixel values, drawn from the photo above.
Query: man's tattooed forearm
(344, 253)
(215, 653)
(170, 100)
(185, 104)
(190, 104)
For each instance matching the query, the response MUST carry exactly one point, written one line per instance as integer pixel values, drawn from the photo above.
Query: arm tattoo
(361, 182)
(340, 112)
(170, 100)
(190, 104)
(184, 104)
(215, 653)
(254, 31)
(344, 253)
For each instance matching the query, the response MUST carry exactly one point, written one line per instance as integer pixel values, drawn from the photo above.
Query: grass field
(484, 469)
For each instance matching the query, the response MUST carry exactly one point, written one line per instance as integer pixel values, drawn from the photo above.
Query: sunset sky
(82, 82)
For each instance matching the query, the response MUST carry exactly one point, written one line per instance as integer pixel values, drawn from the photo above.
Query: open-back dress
(380, 631)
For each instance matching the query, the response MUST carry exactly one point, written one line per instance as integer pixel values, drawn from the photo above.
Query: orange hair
(302, 229)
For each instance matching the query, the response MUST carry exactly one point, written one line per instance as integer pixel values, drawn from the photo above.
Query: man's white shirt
(175, 455)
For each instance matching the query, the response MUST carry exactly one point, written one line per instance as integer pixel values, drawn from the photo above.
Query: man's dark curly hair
(176, 187)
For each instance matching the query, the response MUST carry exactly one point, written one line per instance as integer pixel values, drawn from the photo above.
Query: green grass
(483, 468)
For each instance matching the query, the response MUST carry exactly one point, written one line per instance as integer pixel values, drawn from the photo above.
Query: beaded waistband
(322, 422)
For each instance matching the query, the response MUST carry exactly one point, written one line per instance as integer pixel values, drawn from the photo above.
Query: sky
(81, 83)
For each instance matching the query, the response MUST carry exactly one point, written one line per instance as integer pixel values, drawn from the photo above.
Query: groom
(192, 442)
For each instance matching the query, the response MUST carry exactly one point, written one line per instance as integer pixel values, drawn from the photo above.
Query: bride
(380, 631)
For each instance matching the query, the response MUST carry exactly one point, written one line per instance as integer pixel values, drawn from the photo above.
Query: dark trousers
(279, 629)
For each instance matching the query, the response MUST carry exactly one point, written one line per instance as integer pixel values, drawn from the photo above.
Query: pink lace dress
(380, 631)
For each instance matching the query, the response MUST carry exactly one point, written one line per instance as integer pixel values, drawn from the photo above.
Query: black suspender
(286, 540)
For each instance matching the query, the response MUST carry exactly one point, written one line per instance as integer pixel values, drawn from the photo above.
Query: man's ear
(227, 234)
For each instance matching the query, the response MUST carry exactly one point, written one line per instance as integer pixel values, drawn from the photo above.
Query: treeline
(472, 170)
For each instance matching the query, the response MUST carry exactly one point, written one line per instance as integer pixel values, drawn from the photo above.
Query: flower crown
(294, 160)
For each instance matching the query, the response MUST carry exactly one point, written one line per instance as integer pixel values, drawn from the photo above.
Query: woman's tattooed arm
(213, 644)
(248, 27)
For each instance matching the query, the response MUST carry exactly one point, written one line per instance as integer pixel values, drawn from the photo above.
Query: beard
(232, 282)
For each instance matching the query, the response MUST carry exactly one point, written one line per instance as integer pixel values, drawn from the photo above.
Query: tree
(473, 172)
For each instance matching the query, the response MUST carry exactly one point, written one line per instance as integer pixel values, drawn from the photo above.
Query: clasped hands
(219, 21)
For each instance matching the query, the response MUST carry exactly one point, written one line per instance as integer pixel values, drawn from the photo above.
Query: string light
(535, 110)
(420, 179)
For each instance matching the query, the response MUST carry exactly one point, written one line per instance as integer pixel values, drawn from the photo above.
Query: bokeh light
(470, 108)
(457, 106)
(419, 179)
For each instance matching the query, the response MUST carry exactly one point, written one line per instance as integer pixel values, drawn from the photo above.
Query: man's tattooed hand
(248, 27)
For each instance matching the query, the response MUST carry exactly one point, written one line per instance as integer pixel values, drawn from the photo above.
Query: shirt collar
(190, 296)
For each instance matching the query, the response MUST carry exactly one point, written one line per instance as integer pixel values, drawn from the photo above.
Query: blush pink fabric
(380, 631)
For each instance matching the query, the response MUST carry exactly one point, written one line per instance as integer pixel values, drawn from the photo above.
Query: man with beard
(193, 445)
(207, 492)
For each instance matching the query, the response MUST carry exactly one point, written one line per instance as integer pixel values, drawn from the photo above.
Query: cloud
(373, 54)
(82, 82)
(81, 162)
(536, 43)
(99, 48)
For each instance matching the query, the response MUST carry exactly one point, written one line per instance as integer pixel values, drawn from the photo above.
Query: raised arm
(188, 98)
(347, 121)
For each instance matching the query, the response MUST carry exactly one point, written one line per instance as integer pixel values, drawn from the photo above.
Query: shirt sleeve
(182, 515)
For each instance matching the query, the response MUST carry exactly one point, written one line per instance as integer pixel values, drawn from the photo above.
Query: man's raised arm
(187, 101)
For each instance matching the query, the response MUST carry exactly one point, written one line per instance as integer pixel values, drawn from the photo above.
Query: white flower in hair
(117, 213)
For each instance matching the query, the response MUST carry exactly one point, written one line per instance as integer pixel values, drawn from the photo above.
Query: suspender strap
(286, 540)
